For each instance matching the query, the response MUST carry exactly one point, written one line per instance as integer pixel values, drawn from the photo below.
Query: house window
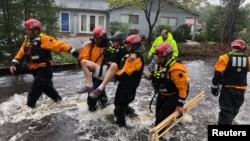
(64, 22)
(92, 23)
(168, 21)
(83, 22)
(101, 20)
(132, 19)
(88, 22)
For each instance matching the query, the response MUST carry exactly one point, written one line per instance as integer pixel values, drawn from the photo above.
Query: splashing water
(71, 120)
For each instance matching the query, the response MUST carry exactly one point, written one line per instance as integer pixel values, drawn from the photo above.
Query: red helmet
(133, 39)
(164, 49)
(239, 44)
(99, 32)
(32, 24)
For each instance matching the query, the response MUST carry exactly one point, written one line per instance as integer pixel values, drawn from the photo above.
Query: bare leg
(109, 74)
(88, 67)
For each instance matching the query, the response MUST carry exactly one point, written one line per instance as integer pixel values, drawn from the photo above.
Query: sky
(218, 1)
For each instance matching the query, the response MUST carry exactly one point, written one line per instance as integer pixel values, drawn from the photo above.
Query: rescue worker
(93, 52)
(230, 71)
(164, 37)
(171, 82)
(36, 49)
(129, 76)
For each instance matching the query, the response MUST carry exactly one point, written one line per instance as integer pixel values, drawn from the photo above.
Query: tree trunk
(231, 17)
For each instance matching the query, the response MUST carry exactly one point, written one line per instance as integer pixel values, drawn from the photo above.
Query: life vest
(33, 51)
(114, 54)
(236, 70)
(162, 79)
(135, 77)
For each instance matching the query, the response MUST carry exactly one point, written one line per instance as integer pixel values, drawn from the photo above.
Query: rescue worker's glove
(215, 90)
(74, 52)
(15, 66)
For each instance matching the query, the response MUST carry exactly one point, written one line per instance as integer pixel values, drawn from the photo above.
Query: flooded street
(70, 120)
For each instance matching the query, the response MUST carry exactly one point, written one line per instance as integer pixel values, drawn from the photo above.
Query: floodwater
(70, 120)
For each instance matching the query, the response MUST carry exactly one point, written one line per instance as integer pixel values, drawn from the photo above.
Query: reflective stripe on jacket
(47, 43)
(231, 70)
(175, 80)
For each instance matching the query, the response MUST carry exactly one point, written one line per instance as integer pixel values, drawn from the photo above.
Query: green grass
(63, 57)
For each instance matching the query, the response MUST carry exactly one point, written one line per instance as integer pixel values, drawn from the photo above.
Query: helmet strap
(34, 34)
(135, 46)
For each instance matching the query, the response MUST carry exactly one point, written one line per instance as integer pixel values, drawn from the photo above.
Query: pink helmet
(32, 24)
(99, 32)
(133, 39)
(239, 44)
(164, 49)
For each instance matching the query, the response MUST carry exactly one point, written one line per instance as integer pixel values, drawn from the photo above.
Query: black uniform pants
(125, 94)
(230, 101)
(165, 106)
(103, 98)
(42, 83)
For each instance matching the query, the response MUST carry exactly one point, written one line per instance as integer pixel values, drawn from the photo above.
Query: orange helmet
(240, 44)
(133, 39)
(99, 32)
(32, 24)
(164, 49)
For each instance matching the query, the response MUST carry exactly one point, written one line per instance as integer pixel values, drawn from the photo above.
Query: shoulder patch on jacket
(180, 75)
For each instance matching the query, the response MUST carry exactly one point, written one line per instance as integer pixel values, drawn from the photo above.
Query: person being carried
(114, 63)
(111, 58)
(171, 84)
(129, 76)
(230, 71)
(93, 52)
(36, 50)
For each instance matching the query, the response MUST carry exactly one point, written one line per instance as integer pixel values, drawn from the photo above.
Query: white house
(78, 17)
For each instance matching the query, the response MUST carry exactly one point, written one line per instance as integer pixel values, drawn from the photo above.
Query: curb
(56, 67)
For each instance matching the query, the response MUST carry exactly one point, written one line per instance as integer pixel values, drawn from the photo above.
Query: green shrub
(178, 36)
(159, 28)
(185, 30)
(118, 26)
(63, 57)
(133, 31)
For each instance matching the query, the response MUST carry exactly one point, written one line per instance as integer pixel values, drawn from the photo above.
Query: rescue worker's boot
(120, 117)
(121, 121)
(103, 102)
(58, 99)
(130, 112)
(92, 104)
(92, 108)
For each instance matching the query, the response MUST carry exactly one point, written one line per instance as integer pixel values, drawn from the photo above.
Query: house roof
(187, 8)
(192, 11)
(99, 5)
(102, 5)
